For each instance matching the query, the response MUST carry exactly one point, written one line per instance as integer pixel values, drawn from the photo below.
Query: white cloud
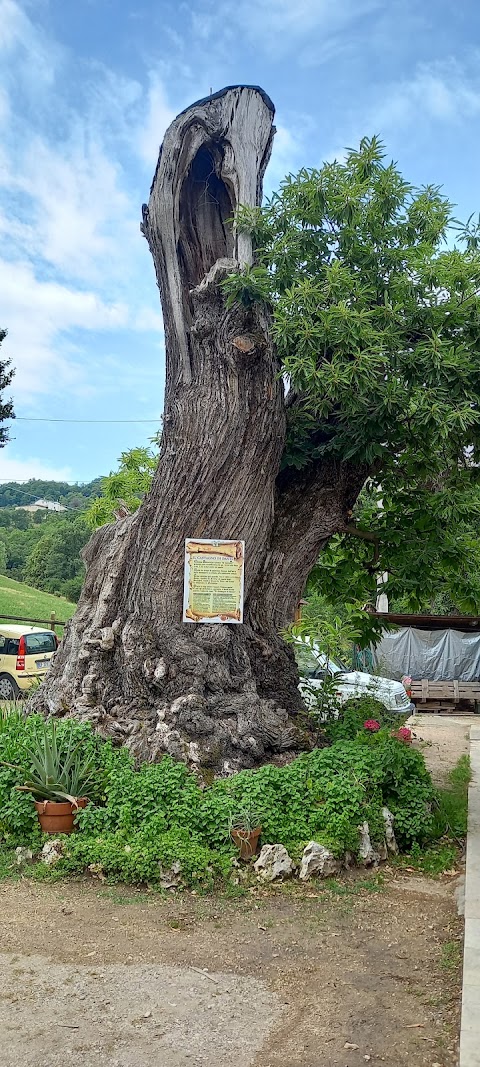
(19, 470)
(15, 27)
(442, 91)
(60, 307)
(36, 56)
(39, 315)
(112, 100)
(286, 153)
(72, 256)
(77, 213)
(273, 25)
(435, 94)
(4, 106)
(159, 116)
(300, 18)
(73, 200)
(148, 318)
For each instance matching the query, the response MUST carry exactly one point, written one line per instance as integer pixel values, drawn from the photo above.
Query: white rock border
(318, 861)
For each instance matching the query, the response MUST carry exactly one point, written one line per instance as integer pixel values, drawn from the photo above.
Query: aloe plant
(57, 772)
(245, 820)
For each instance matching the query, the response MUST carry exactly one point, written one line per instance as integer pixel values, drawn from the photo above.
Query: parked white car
(314, 668)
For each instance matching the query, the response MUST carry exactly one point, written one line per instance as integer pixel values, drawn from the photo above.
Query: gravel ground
(118, 1016)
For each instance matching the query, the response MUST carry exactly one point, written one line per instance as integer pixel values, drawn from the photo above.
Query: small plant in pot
(59, 780)
(245, 829)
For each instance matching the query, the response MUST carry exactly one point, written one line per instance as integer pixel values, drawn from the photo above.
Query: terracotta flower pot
(57, 817)
(246, 841)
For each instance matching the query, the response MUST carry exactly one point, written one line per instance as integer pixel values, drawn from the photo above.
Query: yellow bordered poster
(213, 584)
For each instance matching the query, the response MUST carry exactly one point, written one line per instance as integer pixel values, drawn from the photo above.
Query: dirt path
(101, 976)
(442, 739)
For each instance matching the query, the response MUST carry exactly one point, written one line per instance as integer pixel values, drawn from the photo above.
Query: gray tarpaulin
(433, 654)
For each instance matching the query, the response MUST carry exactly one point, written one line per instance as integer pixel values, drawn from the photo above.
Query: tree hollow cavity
(205, 208)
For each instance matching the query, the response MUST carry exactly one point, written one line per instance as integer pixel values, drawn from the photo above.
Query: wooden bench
(445, 695)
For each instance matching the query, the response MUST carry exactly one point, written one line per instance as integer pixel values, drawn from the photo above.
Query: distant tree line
(76, 496)
(42, 548)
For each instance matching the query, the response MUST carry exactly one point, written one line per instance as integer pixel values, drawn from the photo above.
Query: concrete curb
(470, 1024)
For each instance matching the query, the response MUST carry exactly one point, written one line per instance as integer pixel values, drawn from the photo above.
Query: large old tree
(311, 345)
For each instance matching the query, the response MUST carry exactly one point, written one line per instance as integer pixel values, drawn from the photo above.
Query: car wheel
(8, 688)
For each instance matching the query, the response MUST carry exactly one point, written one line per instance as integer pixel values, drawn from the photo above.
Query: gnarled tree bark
(220, 696)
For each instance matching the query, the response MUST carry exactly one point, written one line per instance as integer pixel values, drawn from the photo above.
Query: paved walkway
(470, 1025)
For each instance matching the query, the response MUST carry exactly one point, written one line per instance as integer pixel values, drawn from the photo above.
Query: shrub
(357, 711)
(140, 821)
(145, 855)
(166, 789)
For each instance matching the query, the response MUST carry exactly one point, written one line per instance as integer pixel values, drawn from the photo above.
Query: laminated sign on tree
(213, 586)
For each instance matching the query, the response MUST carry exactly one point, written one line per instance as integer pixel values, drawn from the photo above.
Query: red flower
(403, 734)
(372, 724)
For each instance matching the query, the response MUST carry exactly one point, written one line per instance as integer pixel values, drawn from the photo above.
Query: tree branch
(365, 535)
(309, 509)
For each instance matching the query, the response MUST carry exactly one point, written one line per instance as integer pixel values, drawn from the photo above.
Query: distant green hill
(76, 495)
(27, 603)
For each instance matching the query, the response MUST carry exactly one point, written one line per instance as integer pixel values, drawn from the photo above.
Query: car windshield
(310, 662)
(307, 662)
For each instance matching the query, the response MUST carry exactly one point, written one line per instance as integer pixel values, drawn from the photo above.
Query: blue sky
(87, 90)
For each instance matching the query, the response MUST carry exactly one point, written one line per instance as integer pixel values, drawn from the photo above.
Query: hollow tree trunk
(222, 696)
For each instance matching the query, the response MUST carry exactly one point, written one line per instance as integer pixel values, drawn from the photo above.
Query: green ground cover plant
(142, 820)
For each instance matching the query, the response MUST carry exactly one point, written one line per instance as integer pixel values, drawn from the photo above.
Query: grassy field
(26, 603)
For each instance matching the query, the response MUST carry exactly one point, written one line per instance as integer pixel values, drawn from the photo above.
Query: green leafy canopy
(376, 319)
(427, 543)
(127, 485)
